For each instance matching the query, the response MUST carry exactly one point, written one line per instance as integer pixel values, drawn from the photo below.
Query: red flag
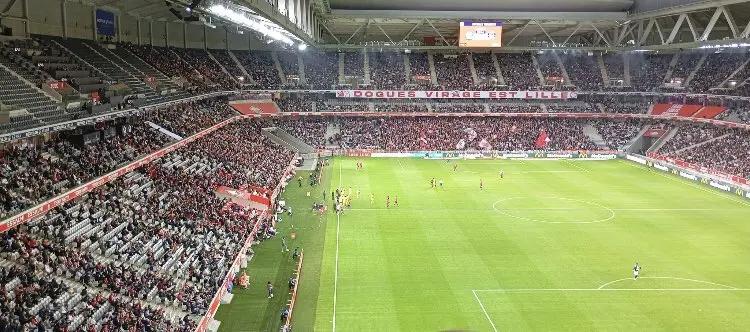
(542, 140)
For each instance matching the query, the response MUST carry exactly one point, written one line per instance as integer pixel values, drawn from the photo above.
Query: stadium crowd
(157, 241)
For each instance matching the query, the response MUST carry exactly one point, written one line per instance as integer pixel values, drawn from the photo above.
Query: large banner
(105, 23)
(404, 94)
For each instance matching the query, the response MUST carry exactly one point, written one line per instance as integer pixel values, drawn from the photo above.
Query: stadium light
(302, 46)
(250, 20)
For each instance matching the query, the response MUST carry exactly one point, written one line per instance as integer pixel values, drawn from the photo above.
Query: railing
(293, 293)
(233, 269)
(43, 208)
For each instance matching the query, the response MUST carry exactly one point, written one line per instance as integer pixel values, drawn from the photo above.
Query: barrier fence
(293, 294)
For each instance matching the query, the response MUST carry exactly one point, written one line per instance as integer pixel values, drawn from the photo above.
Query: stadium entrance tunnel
(553, 210)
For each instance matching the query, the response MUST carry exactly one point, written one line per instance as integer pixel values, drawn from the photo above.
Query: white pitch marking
(485, 311)
(336, 268)
(697, 186)
(531, 290)
(567, 161)
(550, 209)
(673, 278)
(611, 216)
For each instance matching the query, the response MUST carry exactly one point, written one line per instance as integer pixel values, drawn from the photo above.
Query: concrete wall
(45, 18)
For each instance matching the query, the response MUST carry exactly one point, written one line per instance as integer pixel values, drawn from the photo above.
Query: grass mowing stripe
(444, 260)
(336, 269)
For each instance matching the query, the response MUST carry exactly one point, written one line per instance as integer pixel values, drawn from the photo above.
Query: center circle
(554, 210)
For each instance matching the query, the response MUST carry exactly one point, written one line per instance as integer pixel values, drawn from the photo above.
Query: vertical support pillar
(184, 34)
(27, 25)
(205, 40)
(151, 32)
(64, 14)
(138, 28)
(119, 28)
(166, 33)
(93, 20)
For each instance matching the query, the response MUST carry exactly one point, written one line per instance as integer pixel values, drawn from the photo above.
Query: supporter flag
(461, 144)
(471, 134)
(422, 139)
(542, 139)
(483, 144)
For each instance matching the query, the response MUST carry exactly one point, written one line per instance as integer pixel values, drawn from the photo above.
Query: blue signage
(105, 23)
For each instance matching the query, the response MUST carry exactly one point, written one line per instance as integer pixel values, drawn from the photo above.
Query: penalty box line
(534, 290)
(547, 290)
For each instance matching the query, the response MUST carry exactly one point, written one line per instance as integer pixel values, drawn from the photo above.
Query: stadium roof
(486, 5)
(592, 24)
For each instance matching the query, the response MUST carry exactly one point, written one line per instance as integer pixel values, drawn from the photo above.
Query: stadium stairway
(281, 137)
(695, 70)
(734, 73)
(593, 134)
(602, 69)
(366, 66)
(433, 72)
(638, 142)
(663, 140)
(249, 79)
(332, 130)
(277, 65)
(164, 131)
(626, 70)
(538, 70)
(702, 143)
(498, 71)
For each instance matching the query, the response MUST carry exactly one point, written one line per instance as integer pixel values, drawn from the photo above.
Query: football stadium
(362, 165)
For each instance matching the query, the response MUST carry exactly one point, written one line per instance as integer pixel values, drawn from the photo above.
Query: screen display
(480, 34)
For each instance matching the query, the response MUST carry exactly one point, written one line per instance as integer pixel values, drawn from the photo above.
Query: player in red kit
(388, 201)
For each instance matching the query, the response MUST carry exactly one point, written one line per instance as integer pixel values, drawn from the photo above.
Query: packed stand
(170, 64)
(716, 69)
(515, 108)
(189, 118)
(518, 71)
(728, 154)
(486, 72)
(618, 133)
(688, 135)
(33, 174)
(354, 65)
(549, 66)
(614, 65)
(573, 107)
(401, 107)
(420, 69)
(453, 71)
(226, 61)
(458, 108)
(685, 65)
(647, 71)
(321, 69)
(387, 70)
(289, 66)
(208, 68)
(260, 65)
(438, 133)
(311, 130)
(584, 72)
(297, 104)
(624, 107)
(147, 251)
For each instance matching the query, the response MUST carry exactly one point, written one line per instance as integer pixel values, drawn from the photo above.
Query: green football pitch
(549, 247)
